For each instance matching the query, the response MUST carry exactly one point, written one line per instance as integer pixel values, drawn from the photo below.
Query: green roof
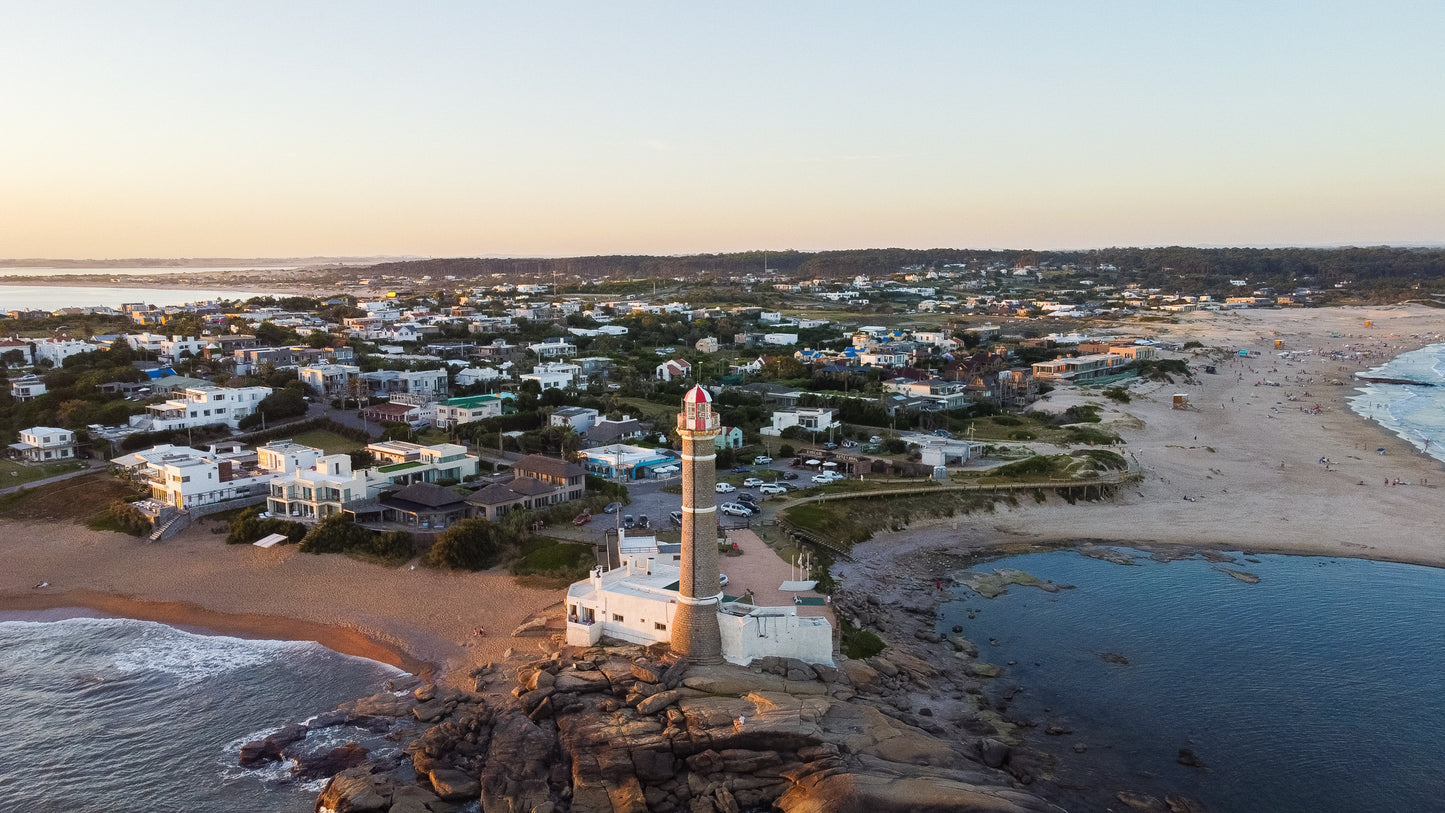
(398, 467)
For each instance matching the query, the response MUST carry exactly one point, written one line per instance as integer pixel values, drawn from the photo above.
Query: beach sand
(422, 620)
(1244, 455)
(1240, 468)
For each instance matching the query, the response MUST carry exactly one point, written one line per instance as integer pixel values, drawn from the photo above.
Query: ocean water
(115, 715)
(1318, 689)
(1416, 414)
(52, 297)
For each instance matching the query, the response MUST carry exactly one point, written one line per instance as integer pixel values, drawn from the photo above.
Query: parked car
(850, 444)
(830, 445)
(772, 488)
(612, 508)
(735, 509)
(643, 521)
(722, 580)
(725, 488)
(762, 460)
(676, 517)
(628, 521)
(875, 439)
(740, 469)
(752, 482)
(942, 433)
(790, 475)
(828, 477)
(747, 498)
(582, 518)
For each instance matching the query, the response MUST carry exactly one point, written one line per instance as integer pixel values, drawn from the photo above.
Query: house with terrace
(40, 444)
(403, 463)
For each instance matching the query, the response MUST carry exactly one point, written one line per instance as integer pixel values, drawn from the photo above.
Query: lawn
(14, 474)
(328, 442)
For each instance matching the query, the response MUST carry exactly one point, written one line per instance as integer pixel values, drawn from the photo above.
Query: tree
(270, 334)
(470, 544)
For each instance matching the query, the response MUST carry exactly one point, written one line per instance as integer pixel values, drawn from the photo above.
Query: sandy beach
(1239, 469)
(422, 620)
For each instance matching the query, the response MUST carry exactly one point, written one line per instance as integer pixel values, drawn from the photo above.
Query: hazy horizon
(161, 130)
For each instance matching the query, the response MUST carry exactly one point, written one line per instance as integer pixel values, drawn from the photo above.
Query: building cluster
(409, 486)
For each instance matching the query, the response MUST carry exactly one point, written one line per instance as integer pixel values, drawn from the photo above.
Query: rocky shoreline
(619, 730)
(901, 591)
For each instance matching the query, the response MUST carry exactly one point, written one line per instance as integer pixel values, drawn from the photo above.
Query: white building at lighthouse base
(635, 603)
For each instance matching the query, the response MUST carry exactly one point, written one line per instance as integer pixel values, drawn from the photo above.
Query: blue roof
(159, 372)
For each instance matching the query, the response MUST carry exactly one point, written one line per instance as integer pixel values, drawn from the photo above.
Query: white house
(203, 406)
(553, 347)
(579, 418)
(26, 387)
(16, 345)
(677, 368)
(707, 344)
(322, 489)
(813, 419)
(457, 411)
(331, 380)
(780, 338)
(636, 602)
(549, 380)
(56, 351)
(41, 443)
(468, 376)
(186, 478)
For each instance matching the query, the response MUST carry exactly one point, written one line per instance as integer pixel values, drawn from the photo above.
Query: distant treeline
(1192, 270)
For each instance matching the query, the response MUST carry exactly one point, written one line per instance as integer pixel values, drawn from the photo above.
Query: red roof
(697, 395)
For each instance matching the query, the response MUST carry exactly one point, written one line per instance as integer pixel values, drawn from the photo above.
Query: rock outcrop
(617, 731)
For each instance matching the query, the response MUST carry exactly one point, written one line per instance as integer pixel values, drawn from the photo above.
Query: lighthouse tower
(695, 635)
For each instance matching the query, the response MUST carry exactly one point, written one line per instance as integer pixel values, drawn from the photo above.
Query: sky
(267, 129)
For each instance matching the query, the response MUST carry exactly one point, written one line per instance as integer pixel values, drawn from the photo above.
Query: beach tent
(269, 541)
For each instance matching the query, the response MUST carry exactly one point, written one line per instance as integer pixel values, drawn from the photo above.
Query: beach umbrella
(811, 462)
(830, 463)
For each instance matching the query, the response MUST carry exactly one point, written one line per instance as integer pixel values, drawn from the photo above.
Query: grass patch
(554, 559)
(328, 442)
(14, 474)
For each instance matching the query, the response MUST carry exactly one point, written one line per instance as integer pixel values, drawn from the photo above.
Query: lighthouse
(695, 635)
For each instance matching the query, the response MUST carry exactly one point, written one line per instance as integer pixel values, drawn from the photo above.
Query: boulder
(582, 682)
(979, 669)
(454, 786)
(993, 753)
(859, 673)
(646, 673)
(535, 626)
(413, 799)
(661, 700)
(328, 763)
(354, 791)
(880, 793)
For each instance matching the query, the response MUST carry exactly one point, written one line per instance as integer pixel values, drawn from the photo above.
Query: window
(658, 625)
(617, 618)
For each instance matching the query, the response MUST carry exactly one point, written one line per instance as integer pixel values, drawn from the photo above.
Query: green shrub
(470, 544)
(1119, 394)
(858, 643)
(123, 517)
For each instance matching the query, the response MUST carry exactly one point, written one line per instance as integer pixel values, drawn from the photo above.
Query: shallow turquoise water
(1322, 688)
